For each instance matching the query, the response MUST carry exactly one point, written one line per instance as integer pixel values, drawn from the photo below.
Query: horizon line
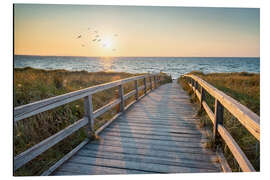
(141, 56)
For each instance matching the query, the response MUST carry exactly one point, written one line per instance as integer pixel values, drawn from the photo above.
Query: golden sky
(141, 31)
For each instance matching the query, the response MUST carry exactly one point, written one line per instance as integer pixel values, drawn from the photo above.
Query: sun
(107, 43)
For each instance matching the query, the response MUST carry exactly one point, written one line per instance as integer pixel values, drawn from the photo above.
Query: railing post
(121, 96)
(88, 111)
(151, 84)
(202, 97)
(196, 85)
(219, 111)
(136, 90)
(145, 87)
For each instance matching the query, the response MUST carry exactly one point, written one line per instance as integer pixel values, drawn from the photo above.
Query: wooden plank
(31, 109)
(155, 168)
(72, 168)
(209, 112)
(147, 159)
(65, 158)
(248, 118)
(105, 108)
(134, 145)
(39, 148)
(238, 154)
(152, 132)
(155, 137)
(156, 142)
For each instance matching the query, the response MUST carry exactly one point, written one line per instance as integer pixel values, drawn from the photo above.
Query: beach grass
(31, 85)
(245, 88)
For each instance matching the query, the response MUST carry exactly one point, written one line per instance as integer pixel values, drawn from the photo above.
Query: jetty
(157, 133)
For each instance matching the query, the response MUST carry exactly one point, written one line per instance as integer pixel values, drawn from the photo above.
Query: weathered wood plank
(72, 168)
(155, 168)
(209, 112)
(154, 137)
(39, 148)
(147, 159)
(65, 158)
(236, 150)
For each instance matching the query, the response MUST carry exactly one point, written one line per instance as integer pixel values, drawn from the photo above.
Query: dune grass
(31, 85)
(245, 88)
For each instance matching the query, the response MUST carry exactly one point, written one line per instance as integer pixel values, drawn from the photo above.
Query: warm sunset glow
(88, 30)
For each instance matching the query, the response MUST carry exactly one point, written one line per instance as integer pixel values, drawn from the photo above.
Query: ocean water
(175, 66)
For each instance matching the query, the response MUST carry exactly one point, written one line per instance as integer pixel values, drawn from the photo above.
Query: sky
(68, 30)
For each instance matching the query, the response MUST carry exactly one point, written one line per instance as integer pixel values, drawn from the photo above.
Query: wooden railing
(31, 109)
(247, 118)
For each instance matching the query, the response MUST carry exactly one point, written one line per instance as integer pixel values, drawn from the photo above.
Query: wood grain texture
(236, 150)
(159, 134)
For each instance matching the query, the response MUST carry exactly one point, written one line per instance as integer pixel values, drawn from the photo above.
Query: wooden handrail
(31, 109)
(249, 119)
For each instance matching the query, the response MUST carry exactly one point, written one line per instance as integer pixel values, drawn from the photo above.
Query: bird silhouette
(79, 36)
(94, 39)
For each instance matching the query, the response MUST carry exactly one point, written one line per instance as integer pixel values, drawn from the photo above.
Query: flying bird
(99, 40)
(79, 36)
(94, 39)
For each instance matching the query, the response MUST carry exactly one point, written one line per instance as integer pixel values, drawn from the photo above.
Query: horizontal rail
(236, 150)
(222, 100)
(248, 118)
(66, 157)
(105, 108)
(31, 109)
(44, 145)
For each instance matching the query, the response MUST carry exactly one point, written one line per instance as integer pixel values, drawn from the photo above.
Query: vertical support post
(202, 97)
(196, 85)
(219, 110)
(121, 96)
(145, 87)
(88, 111)
(136, 90)
(155, 81)
(151, 85)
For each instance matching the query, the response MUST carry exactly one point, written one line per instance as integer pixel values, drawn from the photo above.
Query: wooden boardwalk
(158, 134)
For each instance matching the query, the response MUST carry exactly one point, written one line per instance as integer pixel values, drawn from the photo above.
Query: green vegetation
(31, 85)
(245, 88)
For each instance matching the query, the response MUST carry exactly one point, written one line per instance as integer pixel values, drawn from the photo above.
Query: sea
(174, 66)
